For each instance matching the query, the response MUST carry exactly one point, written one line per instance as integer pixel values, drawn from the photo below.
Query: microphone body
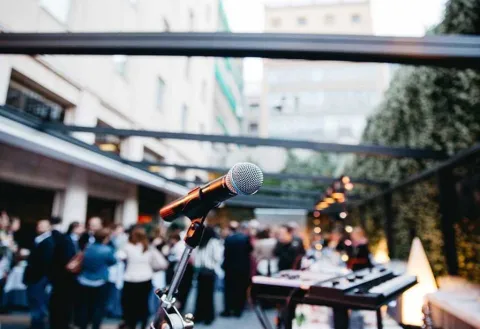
(242, 178)
(198, 201)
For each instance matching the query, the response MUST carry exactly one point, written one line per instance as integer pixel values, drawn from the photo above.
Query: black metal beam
(274, 190)
(371, 150)
(389, 224)
(455, 160)
(450, 51)
(279, 190)
(280, 176)
(254, 201)
(448, 206)
(264, 189)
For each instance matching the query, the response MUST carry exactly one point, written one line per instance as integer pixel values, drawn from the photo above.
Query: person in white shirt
(206, 259)
(142, 261)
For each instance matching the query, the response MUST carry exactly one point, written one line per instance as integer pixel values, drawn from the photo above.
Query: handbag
(75, 264)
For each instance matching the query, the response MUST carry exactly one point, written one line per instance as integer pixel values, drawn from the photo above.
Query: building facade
(179, 94)
(322, 101)
(228, 96)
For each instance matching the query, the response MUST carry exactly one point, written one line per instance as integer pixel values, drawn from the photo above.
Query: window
(253, 128)
(356, 18)
(204, 91)
(297, 103)
(107, 143)
(160, 93)
(276, 22)
(345, 131)
(166, 25)
(184, 117)
(151, 156)
(120, 64)
(191, 20)
(187, 67)
(57, 8)
(329, 19)
(180, 173)
(29, 101)
(202, 131)
(301, 21)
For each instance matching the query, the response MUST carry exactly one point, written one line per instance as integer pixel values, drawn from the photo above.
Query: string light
(343, 215)
(316, 213)
(345, 258)
(108, 147)
(348, 229)
(345, 179)
(329, 200)
(154, 168)
(318, 246)
(338, 195)
(317, 230)
(349, 186)
(316, 222)
(321, 205)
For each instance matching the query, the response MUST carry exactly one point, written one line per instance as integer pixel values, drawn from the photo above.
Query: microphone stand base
(167, 316)
(174, 320)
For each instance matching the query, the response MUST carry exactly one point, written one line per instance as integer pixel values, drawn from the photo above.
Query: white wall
(95, 88)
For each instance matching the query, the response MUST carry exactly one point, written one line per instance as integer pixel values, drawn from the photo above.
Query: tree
(317, 164)
(424, 107)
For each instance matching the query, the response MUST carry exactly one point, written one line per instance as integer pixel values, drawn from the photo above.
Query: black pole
(448, 200)
(389, 224)
(362, 213)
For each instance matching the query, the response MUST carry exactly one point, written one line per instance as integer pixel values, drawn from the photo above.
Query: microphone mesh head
(244, 178)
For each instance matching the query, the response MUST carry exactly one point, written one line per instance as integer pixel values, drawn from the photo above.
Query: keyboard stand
(262, 317)
(340, 318)
(379, 319)
(289, 314)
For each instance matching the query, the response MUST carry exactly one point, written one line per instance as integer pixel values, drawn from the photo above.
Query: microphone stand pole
(167, 316)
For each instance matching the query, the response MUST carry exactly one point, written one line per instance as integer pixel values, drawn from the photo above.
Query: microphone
(242, 179)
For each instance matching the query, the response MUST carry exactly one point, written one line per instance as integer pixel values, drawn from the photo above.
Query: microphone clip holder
(168, 316)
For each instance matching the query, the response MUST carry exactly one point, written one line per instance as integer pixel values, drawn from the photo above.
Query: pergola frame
(370, 150)
(446, 51)
(280, 176)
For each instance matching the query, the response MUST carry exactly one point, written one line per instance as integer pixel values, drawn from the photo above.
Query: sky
(390, 17)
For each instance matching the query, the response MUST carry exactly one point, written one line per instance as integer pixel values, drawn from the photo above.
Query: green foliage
(468, 246)
(318, 164)
(425, 107)
(374, 224)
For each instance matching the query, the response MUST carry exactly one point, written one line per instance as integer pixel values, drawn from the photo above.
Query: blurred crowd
(76, 278)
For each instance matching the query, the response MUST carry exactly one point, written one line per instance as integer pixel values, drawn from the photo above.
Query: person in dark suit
(74, 232)
(62, 281)
(236, 265)
(36, 274)
(94, 224)
(289, 249)
(358, 251)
